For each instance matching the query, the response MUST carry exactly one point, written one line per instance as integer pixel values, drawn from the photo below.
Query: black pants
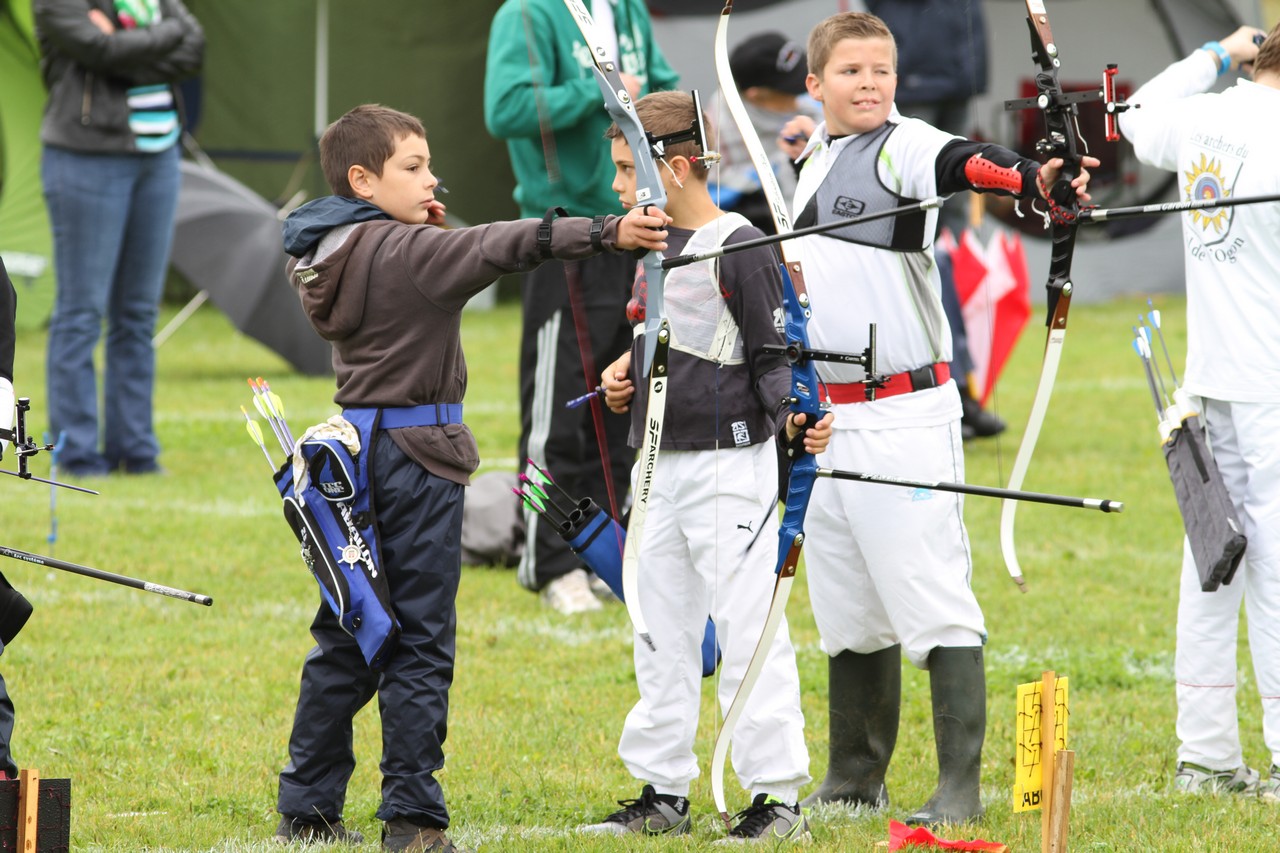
(563, 441)
(7, 765)
(419, 524)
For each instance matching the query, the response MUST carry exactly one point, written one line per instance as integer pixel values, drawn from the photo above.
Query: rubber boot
(958, 686)
(863, 695)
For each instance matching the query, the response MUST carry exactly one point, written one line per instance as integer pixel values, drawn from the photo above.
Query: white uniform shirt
(1221, 144)
(852, 285)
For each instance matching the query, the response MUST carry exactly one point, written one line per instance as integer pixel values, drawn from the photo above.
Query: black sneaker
(769, 820)
(977, 422)
(319, 831)
(652, 814)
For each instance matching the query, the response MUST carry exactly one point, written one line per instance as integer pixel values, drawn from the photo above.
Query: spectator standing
(542, 97)
(769, 70)
(110, 172)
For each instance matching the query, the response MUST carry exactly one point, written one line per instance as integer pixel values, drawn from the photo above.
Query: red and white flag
(995, 299)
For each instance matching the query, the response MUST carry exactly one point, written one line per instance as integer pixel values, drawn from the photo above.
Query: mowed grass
(171, 719)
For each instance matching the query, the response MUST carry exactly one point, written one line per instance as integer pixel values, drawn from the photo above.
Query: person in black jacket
(110, 172)
(942, 66)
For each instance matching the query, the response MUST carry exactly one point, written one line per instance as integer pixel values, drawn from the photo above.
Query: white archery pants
(889, 564)
(1243, 437)
(709, 546)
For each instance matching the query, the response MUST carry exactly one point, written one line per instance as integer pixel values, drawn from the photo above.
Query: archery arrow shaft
(769, 240)
(49, 482)
(122, 580)
(1100, 504)
(1095, 215)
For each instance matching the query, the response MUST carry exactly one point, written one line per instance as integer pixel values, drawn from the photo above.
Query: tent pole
(322, 68)
(179, 318)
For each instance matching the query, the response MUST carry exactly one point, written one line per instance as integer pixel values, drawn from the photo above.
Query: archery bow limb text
(656, 334)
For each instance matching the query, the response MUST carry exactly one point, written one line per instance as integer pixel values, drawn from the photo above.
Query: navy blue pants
(7, 765)
(419, 524)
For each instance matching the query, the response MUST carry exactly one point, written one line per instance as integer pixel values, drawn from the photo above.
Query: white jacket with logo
(1221, 144)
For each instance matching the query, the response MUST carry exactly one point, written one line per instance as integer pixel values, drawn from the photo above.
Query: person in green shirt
(541, 95)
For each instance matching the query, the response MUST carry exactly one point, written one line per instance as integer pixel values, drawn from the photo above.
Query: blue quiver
(332, 517)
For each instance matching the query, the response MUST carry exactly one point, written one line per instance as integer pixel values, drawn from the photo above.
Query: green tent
(25, 243)
(276, 73)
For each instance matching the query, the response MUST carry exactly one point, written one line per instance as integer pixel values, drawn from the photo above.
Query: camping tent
(24, 227)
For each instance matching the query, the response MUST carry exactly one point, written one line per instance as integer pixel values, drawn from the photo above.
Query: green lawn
(171, 719)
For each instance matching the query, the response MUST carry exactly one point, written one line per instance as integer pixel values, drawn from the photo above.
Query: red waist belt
(929, 376)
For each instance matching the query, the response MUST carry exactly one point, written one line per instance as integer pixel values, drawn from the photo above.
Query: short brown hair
(1269, 53)
(846, 25)
(663, 113)
(365, 136)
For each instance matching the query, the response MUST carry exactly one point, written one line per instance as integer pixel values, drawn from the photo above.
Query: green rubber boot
(958, 685)
(863, 695)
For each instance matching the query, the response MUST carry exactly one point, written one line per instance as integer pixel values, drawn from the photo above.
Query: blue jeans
(112, 217)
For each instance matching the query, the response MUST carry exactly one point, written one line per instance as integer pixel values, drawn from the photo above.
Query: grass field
(171, 719)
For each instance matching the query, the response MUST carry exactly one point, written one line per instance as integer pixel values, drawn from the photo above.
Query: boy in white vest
(890, 567)
(711, 530)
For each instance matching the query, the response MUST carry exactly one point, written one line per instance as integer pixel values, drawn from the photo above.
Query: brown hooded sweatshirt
(389, 297)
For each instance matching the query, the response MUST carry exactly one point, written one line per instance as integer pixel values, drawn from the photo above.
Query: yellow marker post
(1031, 736)
(1044, 765)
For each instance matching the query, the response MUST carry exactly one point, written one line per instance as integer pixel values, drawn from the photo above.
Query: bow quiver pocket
(332, 517)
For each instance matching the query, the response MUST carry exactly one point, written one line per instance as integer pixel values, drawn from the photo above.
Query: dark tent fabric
(261, 79)
(227, 242)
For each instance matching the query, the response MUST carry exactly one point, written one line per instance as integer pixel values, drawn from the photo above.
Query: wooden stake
(1059, 820)
(1048, 749)
(28, 804)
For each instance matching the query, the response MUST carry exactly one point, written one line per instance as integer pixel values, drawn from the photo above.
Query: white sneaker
(571, 593)
(601, 590)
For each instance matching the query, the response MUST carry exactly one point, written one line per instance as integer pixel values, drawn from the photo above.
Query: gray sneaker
(768, 820)
(1195, 779)
(652, 814)
(1269, 788)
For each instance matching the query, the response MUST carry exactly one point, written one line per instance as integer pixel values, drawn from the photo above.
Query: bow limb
(649, 191)
(803, 400)
(1061, 140)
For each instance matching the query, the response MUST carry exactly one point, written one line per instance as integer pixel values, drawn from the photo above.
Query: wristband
(1224, 58)
(597, 232)
(544, 232)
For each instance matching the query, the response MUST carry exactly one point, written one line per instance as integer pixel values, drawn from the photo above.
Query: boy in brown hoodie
(386, 286)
